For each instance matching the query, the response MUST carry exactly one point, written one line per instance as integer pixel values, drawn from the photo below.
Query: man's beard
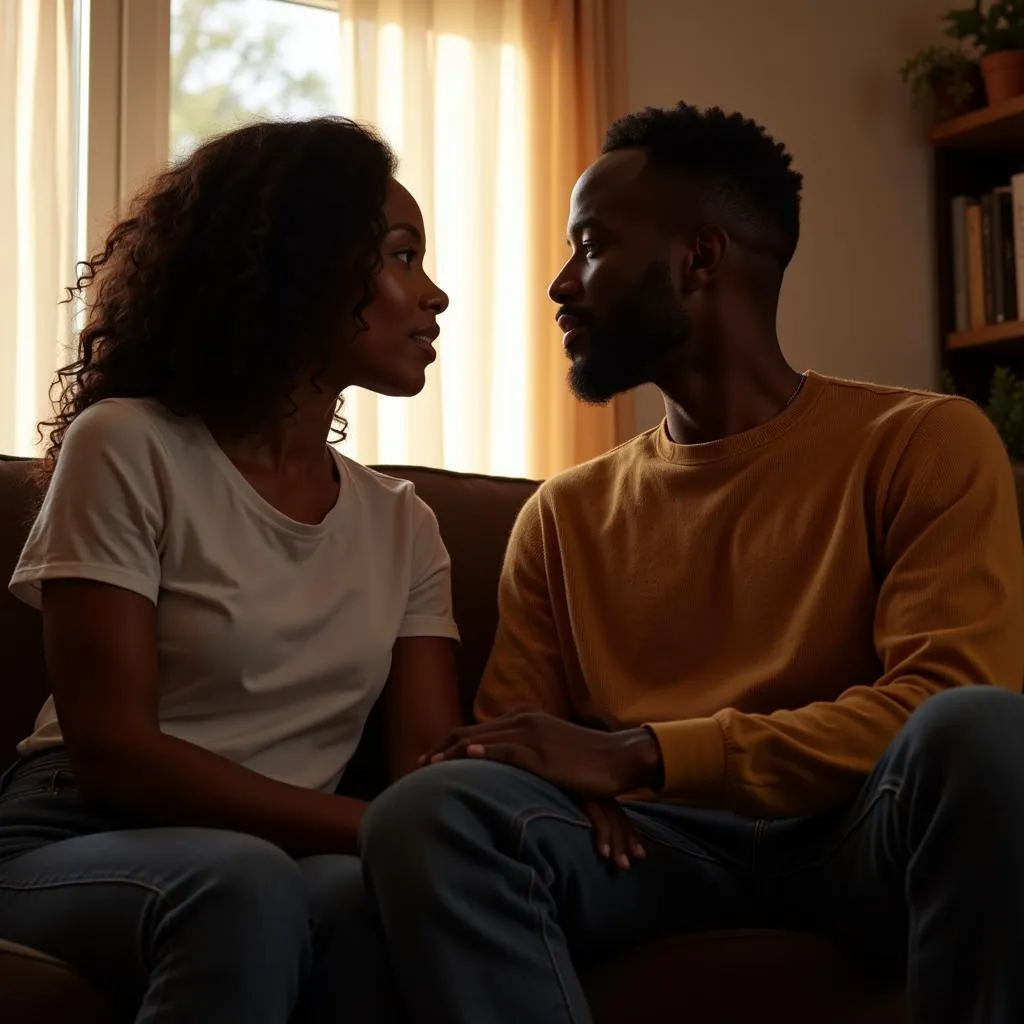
(624, 350)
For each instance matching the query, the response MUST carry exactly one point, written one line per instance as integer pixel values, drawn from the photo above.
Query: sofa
(715, 978)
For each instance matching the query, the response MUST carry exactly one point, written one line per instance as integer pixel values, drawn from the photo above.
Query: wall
(821, 76)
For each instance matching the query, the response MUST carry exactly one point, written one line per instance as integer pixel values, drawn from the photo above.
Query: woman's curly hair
(236, 272)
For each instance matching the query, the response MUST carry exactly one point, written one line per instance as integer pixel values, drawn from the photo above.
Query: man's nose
(565, 288)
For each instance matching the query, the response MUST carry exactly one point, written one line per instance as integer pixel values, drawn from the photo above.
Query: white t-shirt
(274, 637)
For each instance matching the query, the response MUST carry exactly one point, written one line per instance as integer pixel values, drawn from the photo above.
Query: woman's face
(392, 354)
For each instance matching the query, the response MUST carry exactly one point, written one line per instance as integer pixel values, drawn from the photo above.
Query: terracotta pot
(957, 92)
(1003, 74)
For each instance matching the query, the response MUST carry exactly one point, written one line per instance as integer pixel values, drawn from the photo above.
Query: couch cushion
(475, 514)
(716, 978)
(36, 989)
(23, 685)
(728, 977)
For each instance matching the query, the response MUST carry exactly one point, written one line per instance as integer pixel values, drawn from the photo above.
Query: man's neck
(729, 398)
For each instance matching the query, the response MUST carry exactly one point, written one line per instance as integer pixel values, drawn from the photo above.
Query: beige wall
(821, 76)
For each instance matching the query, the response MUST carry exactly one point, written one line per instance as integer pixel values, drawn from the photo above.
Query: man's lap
(840, 872)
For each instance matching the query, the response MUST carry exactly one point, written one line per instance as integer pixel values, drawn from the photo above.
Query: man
(787, 627)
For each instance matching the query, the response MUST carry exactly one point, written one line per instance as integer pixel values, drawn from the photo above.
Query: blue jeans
(491, 894)
(185, 924)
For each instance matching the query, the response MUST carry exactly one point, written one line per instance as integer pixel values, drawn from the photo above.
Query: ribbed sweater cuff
(693, 753)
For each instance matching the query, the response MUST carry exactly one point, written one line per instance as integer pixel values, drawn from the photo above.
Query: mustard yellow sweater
(775, 604)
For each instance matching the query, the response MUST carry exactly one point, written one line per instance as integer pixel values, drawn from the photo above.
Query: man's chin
(594, 384)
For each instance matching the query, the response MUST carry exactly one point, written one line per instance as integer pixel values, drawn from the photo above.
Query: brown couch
(720, 978)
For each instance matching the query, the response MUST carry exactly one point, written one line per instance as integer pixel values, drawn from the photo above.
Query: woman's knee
(241, 876)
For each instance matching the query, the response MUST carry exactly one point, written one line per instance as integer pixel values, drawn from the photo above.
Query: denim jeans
(185, 924)
(491, 894)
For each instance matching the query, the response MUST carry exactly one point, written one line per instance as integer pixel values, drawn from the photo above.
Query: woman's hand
(613, 833)
(588, 763)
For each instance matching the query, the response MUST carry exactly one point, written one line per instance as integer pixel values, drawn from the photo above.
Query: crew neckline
(747, 441)
(263, 508)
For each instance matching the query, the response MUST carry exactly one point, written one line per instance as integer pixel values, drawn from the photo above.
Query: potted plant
(997, 34)
(944, 80)
(1005, 410)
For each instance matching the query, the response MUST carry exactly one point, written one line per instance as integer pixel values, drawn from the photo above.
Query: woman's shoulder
(384, 492)
(128, 424)
(373, 482)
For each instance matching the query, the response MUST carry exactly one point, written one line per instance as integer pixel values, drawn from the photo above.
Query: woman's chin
(406, 387)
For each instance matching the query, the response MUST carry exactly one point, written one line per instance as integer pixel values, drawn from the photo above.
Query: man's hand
(613, 833)
(584, 762)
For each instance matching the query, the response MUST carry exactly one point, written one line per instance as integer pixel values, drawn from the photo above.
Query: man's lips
(573, 331)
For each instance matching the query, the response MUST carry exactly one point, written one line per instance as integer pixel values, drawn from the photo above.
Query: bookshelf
(975, 154)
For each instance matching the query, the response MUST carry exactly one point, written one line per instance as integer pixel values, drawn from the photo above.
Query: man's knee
(972, 732)
(440, 809)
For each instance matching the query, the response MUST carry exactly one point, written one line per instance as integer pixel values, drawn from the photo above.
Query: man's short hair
(731, 159)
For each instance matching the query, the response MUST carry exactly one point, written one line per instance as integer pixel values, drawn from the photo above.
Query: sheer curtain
(494, 107)
(36, 210)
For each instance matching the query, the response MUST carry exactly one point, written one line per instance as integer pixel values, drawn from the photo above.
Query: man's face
(619, 308)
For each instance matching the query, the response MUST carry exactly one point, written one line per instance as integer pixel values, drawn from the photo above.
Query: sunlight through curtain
(36, 210)
(494, 107)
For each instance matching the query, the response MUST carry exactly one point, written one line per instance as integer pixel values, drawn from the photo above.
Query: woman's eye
(406, 256)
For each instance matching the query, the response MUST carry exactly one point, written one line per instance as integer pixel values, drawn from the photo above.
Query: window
(494, 106)
(233, 61)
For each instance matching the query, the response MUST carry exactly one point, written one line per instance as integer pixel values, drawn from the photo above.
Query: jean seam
(521, 822)
(539, 915)
(100, 880)
(893, 788)
(675, 847)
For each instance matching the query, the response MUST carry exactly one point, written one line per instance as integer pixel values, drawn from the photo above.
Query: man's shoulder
(862, 417)
(881, 405)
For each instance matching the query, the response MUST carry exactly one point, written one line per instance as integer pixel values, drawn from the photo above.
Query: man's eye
(589, 249)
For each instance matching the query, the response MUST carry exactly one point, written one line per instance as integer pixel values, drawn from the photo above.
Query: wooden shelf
(990, 335)
(994, 127)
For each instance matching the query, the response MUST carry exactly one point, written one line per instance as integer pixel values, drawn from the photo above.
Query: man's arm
(950, 612)
(526, 668)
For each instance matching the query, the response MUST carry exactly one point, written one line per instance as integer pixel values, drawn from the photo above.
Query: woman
(223, 595)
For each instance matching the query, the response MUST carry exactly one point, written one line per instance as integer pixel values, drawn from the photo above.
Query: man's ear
(696, 258)
(710, 244)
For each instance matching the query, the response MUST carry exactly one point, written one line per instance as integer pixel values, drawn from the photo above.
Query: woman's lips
(425, 342)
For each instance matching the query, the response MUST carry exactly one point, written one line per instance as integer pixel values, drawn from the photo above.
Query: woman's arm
(101, 653)
(422, 702)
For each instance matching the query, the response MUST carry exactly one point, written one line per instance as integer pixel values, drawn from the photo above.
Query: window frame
(129, 72)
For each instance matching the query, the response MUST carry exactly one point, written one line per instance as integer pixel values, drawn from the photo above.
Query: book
(1017, 192)
(988, 205)
(976, 265)
(1007, 273)
(958, 225)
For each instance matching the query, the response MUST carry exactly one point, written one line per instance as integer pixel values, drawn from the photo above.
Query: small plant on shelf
(1005, 408)
(943, 79)
(1006, 411)
(996, 33)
